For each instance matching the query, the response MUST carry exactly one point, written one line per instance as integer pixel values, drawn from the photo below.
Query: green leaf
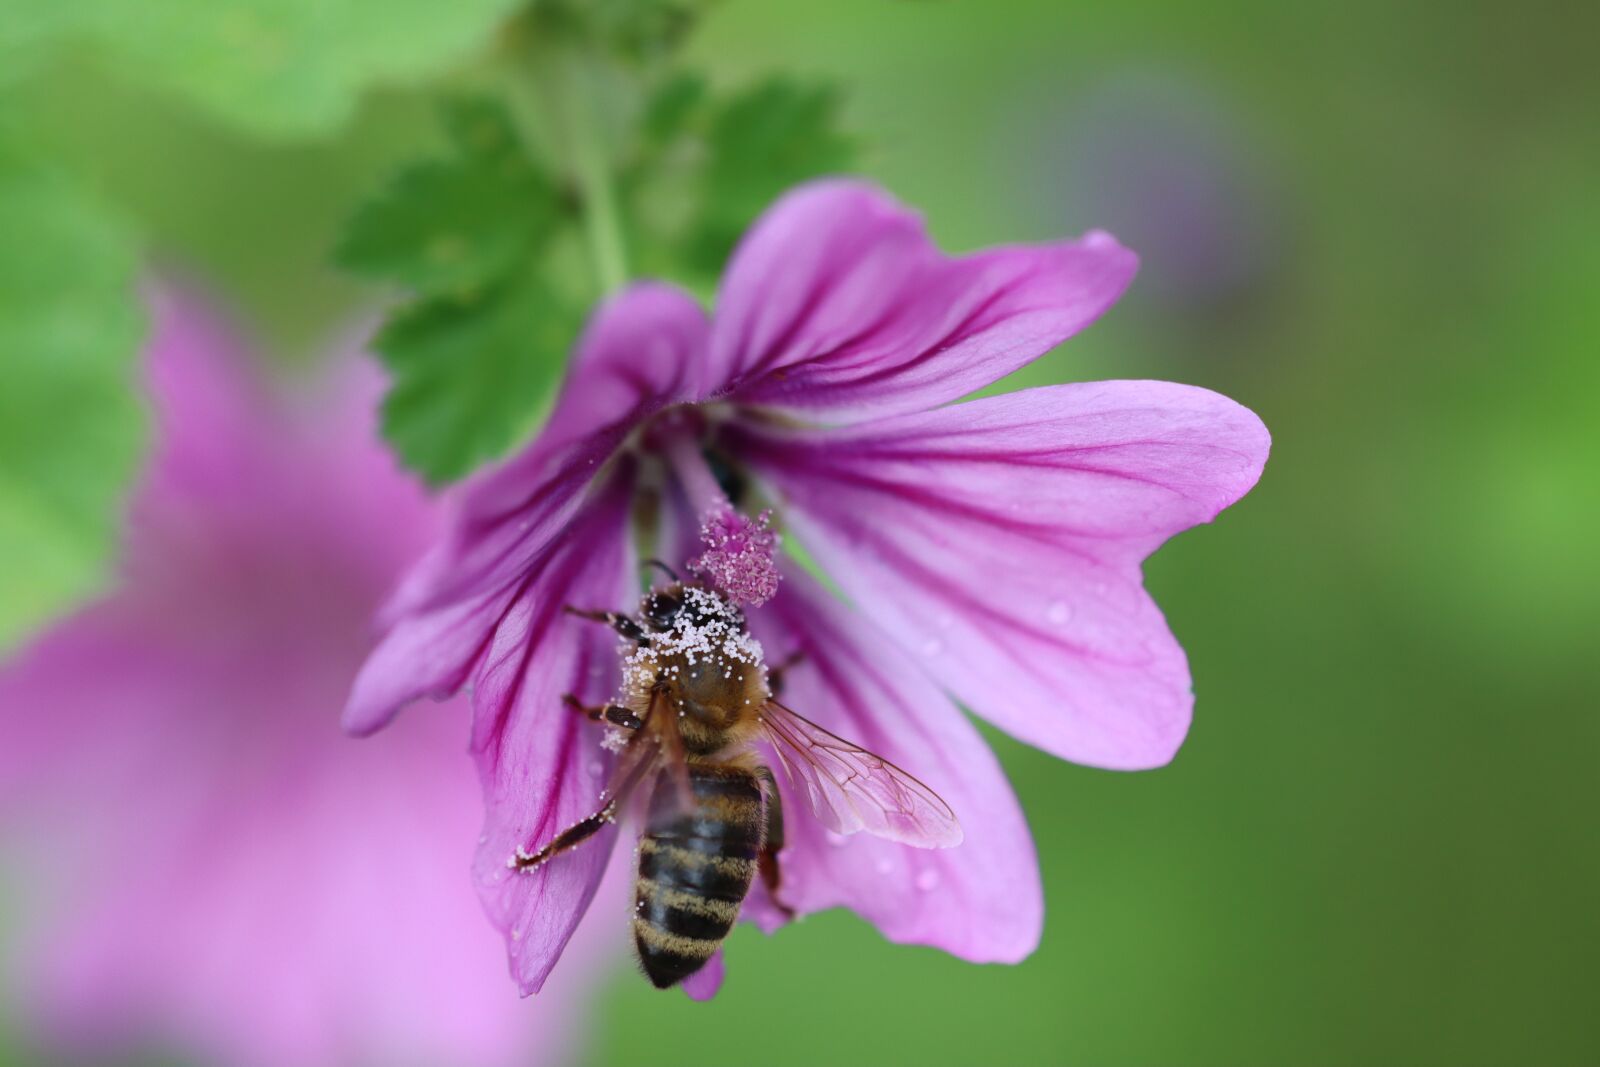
(761, 142)
(71, 424)
(481, 128)
(273, 67)
(450, 226)
(470, 374)
(474, 354)
(705, 166)
(635, 31)
(458, 224)
(671, 107)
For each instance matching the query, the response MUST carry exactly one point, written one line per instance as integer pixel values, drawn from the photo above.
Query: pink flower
(990, 552)
(208, 864)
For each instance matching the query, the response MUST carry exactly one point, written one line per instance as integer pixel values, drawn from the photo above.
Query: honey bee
(696, 696)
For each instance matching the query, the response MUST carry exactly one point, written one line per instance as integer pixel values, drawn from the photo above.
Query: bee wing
(851, 789)
(638, 764)
(669, 759)
(654, 757)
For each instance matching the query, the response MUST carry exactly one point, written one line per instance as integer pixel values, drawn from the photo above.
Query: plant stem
(554, 94)
(601, 220)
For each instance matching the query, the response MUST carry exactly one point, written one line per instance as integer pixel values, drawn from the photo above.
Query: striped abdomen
(694, 870)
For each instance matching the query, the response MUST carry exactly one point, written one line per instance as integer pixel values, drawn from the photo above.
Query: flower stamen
(740, 555)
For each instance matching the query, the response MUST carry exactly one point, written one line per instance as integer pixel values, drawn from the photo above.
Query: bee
(696, 698)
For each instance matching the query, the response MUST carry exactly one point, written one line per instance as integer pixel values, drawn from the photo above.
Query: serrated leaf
(670, 107)
(450, 225)
(481, 128)
(706, 165)
(71, 424)
(469, 375)
(475, 352)
(272, 67)
(761, 142)
(636, 31)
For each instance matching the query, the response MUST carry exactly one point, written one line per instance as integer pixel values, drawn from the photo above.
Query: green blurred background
(1375, 224)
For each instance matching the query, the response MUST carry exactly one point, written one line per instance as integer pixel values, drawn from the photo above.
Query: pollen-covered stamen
(740, 555)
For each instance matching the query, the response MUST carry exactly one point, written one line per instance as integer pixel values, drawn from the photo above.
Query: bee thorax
(705, 664)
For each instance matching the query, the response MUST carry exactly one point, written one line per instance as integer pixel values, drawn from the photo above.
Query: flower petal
(837, 306)
(1000, 540)
(635, 356)
(541, 764)
(429, 655)
(644, 348)
(703, 984)
(980, 900)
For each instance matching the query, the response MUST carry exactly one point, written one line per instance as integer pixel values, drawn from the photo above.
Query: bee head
(660, 609)
(686, 604)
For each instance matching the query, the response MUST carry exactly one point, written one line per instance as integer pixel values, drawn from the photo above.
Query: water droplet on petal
(516, 935)
(836, 840)
(928, 880)
(1059, 612)
(885, 867)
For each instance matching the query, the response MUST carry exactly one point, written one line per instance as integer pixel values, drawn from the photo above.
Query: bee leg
(775, 674)
(625, 625)
(568, 839)
(615, 714)
(634, 766)
(772, 842)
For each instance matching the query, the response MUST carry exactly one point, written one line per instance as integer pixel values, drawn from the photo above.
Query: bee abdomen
(695, 869)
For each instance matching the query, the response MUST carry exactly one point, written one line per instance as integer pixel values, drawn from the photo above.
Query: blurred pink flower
(207, 864)
(991, 551)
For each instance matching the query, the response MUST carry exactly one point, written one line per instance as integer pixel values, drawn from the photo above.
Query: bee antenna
(670, 573)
